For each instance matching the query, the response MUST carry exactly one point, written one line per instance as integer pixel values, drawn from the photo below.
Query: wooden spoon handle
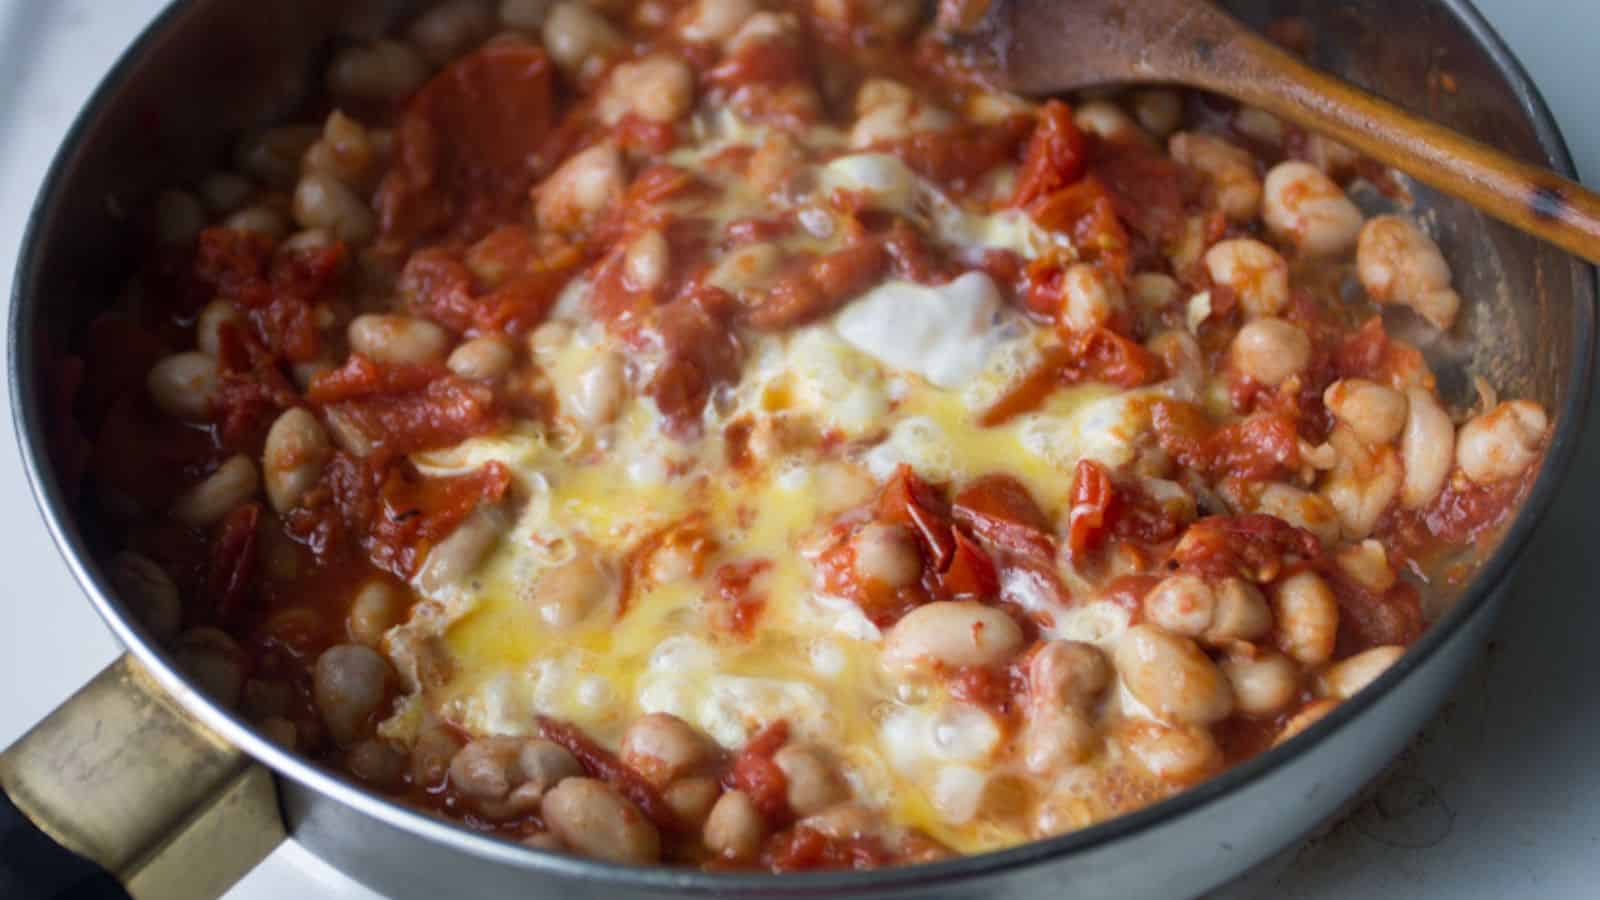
(1533, 199)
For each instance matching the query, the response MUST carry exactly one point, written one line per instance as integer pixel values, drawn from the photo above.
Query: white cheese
(943, 333)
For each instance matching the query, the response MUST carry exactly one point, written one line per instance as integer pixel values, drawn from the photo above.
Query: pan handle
(123, 777)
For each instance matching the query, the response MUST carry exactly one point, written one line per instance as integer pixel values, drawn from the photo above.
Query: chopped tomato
(605, 765)
(804, 849)
(1001, 512)
(754, 772)
(1089, 512)
(1098, 355)
(1256, 547)
(230, 580)
(1056, 158)
(699, 353)
(813, 287)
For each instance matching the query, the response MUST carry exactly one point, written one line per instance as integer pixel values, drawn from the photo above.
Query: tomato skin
(605, 765)
(1056, 158)
(1083, 356)
(1001, 512)
(1255, 547)
(754, 772)
(1089, 512)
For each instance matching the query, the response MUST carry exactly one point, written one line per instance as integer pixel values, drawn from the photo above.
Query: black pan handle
(34, 867)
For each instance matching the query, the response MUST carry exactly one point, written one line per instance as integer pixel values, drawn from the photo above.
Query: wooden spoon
(1048, 46)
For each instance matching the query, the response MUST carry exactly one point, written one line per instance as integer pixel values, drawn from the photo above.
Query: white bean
(1306, 208)
(349, 684)
(184, 386)
(1160, 110)
(1363, 484)
(1181, 754)
(1263, 683)
(450, 29)
(663, 748)
(1108, 122)
(481, 359)
(1301, 509)
(344, 152)
(692, 798)
(1308, 716)
(713, 21)
(596, 395)
(1153, 290)
(952, 635)
(578, 38)
(571, 592)
(1427, 449)
(213, 662)
(384, 71)
(735, 828)
(148, 591)
(1503, 442)
(1065, 674)
(377, 762)
(262, 220)
(1255, 272)
(1271, 351)
(587, 184)
(377, 607)
(886, 554)
(813, 781)
(208, 326)
(1093, 297)
(647, 261)
(1242, 613)
(1181, 604)
(592, 818)
(323, 201)
(1376, 413)
(296, 451)
(1171, 676)
(232, 484)
(390, 338)
(457, 556)
(1231, 169)
(1260, 125)
(1397, 263)
(1057, 738)
(1346, 678)
(657, 88)
(1307, 618)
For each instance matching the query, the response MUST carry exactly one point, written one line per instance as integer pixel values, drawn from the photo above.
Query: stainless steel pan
(145, 776)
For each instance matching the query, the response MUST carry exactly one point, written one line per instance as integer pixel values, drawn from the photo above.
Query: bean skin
(590, 817)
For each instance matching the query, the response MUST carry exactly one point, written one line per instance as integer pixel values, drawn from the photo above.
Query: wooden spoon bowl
(1050, 46)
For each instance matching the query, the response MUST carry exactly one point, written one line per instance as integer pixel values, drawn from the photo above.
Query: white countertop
(1499, 798)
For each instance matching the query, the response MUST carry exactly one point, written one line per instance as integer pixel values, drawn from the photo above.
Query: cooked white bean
(262, 220)
(390, 338)
(1242, 613)
(1181, 754)
(1301, 509)
(584, 186)
(1427, 449)
(1263, 683)
(647, 261)
(544, 764)
(450, 29)
(1232, 172)
(1307, 618)
(763, 28)
(952, 635)
(1255, 272)
(692, 798)
(481, 359)
(431, 755)
(592, 818)
(1364, 482)
(886, 554)
(1171, 676)
(296, 452)
(1160, 110)
(1346, 678)
(349, 685)
(1153, 290)
(1367, 564)
(663, 748)
(526, 15)
(377, 762)
(1182, 604)
(1376, 413)
(569, 593)
(213, 662)
(208, 326)
(233, 483)
(657, 88)
(323, 201)
(1308, 715)
(735, 827)
(344, 152)
(1093, 297)
(578, 38)
(1258, 124)
(1397, 263)
(183, 386)
(384, 71)
(377, 607)
(1057, 738)
(225, 192)
(273, 156)
(1065, 674)
(179, 217)
(1108, 122)
(1330, 156)
(454, 558)
(712, 21)
(1306, 208)
(596, 395)
(1271, 350)
(148, 591)
(1503, 442)
(888, 110)
(814, 783)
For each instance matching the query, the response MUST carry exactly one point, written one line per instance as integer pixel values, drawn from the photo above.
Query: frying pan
(176, 797)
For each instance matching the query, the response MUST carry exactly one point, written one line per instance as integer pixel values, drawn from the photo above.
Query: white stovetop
(1498, 798)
